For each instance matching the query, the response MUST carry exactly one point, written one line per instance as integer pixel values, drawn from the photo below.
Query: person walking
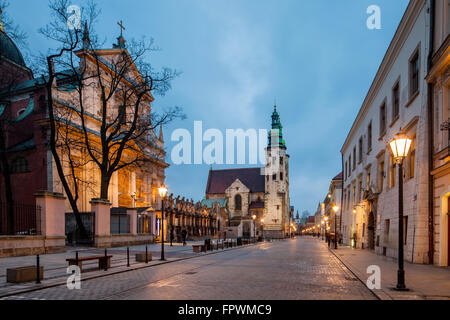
(172, 236)
(183, 236)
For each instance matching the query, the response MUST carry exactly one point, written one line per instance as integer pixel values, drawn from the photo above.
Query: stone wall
(17, 246)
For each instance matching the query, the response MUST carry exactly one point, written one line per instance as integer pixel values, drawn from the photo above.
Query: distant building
(256, 192)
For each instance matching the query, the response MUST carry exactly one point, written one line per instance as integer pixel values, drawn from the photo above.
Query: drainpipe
(431, 141)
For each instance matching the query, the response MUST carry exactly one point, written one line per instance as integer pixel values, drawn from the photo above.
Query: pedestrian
(183, 236)
(172, 236)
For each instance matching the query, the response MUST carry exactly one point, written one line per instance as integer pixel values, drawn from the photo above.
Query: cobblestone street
(301, 269)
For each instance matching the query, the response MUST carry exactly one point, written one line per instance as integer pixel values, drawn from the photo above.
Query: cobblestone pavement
(301, 269)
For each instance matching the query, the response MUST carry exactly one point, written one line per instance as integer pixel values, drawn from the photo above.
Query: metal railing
(26, 219)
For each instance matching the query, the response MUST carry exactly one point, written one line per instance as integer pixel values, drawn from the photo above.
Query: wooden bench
(102, 261)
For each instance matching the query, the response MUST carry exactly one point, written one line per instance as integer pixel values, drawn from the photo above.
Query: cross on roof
(122, 28)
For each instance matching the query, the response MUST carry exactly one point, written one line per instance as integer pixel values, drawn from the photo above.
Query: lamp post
(254, 225)
(335, 209)
(326, 228)
(262, 226)
(162, 193)
(400, 146)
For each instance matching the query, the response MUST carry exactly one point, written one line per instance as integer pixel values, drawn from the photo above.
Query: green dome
(9, 50)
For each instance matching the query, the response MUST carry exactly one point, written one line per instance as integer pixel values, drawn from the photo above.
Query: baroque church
(255, 201)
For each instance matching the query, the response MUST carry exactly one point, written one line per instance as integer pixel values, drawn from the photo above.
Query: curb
(123, 271)
(383, 296)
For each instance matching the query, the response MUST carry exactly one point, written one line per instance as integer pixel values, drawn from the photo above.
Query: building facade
(398, 101)
(256, 200)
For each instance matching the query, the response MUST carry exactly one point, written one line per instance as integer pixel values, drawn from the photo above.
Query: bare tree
(119, 134)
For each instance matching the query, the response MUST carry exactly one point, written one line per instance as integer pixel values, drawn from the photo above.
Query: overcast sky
(317, 58)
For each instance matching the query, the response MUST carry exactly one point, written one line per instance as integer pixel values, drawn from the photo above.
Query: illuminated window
(392, 175)
(412, 160)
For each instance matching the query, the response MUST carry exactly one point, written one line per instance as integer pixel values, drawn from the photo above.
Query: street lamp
(335, 209)
(162, 193)
(400, 146)
(254, 226)
(262, 225)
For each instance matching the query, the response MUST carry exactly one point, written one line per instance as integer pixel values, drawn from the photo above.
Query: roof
(257, 205)
(9, 50)
(220, 180)
(209, 202)
(338, 177)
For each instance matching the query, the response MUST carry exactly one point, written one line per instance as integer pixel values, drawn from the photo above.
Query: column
(53, 209)
(132, 213)
(102, 211)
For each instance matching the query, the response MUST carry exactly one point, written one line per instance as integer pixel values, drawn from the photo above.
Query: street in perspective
(253, 152)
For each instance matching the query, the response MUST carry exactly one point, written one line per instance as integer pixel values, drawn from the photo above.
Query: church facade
(255, 201)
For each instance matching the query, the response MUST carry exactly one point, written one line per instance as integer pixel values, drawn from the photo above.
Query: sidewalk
(55, 265)
(424, 281)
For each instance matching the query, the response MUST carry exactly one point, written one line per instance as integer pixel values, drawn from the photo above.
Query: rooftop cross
(122, 28)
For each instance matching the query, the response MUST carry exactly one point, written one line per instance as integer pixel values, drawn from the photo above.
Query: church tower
(277, 202)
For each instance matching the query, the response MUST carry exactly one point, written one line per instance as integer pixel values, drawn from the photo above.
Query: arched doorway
(371, 231)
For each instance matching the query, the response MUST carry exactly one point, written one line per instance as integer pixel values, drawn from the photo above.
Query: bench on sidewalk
(199, 248)
(102, 261)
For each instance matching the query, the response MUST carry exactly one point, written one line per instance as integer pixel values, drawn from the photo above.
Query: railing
(120, 224)
(26, 219)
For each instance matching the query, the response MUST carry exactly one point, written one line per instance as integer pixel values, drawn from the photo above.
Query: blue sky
(317, 58)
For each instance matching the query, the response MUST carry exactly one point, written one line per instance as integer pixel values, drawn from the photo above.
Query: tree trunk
(104, 186)
(58, 162)
(7, 177)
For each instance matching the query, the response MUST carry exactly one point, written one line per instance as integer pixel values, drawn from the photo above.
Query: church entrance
(371, 231)
(246, 230)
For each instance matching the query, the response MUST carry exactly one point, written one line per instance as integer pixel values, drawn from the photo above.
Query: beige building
(398, 101)
(439, 112)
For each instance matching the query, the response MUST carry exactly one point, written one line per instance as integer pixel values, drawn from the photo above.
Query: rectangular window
(346, 172)
(368, 180)
(359, 190)
(392, 175)
(369, 137)
(281, 176)
(380, 175)
(360, 149)
(274, 177)
(412, 160)
(414, 74)
(387, 225)
(383, 119)
(395, 101)
(349, 165)
(354, 158)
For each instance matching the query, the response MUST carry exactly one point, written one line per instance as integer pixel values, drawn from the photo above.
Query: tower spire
(86, 36)
(120, 40)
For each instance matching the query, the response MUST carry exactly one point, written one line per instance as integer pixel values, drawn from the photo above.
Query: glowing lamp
(400, 147)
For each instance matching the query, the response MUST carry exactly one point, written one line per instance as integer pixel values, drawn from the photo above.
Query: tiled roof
(209, 202)
(257, 205)
(220, 180)
(338, 177)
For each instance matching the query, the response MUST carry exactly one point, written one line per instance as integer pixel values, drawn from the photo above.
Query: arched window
(19, 165)
(238, 202)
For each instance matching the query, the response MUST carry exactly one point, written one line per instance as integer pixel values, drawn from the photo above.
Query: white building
(396, 102)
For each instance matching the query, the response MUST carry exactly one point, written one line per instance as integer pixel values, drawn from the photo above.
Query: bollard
(146, 254)
(76, 257)
(106, 260)
(38, 274)
(128, 257)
